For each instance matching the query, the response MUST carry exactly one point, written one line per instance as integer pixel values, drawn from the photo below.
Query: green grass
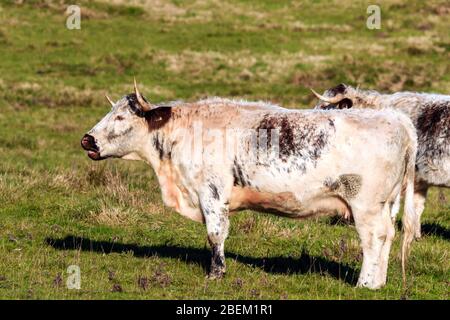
(57, 208)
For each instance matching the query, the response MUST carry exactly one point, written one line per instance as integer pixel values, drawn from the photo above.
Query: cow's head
(339, 97)
(121, 132)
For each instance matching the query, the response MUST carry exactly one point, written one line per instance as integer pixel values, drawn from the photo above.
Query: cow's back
(430, 114)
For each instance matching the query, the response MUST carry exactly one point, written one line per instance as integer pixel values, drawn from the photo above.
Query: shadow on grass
(428, 229)
(277, 265)
(431, 229)
(436, 230)
(340, 221)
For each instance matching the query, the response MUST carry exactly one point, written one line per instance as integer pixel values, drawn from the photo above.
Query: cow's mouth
(95, 155)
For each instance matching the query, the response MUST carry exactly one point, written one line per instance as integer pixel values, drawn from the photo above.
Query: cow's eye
(119, 118)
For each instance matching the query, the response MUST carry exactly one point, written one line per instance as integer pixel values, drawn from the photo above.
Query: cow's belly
(286, 203)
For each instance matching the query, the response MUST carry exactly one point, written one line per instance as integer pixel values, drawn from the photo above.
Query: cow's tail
(410, 219)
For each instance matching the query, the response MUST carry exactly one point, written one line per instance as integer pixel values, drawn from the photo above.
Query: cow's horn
(145, 106)
(335, 99)
(109, 100)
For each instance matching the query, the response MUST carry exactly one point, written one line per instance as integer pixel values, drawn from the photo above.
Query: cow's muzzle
(88, 144)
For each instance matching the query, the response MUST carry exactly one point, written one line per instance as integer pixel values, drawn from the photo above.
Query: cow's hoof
(215, 275)
(369, 285)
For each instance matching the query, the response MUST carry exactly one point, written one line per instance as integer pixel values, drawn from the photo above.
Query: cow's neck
(154, 149)
(174, 193)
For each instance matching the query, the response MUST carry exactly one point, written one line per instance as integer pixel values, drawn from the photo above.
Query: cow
(292, 163)
(430, 114)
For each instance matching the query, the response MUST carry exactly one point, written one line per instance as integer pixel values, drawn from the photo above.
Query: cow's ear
(345, 104)
(158, 117)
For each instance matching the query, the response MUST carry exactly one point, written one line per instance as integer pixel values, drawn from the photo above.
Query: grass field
(58, 208)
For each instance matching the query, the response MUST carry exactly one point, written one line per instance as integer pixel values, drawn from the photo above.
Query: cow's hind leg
(376, 231)
(387, 233)
(215, 213)
(420, 196)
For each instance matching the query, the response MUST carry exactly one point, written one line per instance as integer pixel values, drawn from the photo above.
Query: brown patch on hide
(281, 203)
(347, 185)
(435, 120)
(296, 136)
(286, 204)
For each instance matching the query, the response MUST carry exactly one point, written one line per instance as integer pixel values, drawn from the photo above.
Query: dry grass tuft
(236, 66)
(118, 201)
(199, 11)
(31, 94)
(113, 216)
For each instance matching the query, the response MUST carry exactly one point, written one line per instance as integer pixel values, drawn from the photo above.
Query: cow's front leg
(215, 212)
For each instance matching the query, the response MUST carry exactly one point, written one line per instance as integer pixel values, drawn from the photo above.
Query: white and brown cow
(430, 114)
(215, 157)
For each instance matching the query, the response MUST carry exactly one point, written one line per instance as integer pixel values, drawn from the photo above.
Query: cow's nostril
(88, 142)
